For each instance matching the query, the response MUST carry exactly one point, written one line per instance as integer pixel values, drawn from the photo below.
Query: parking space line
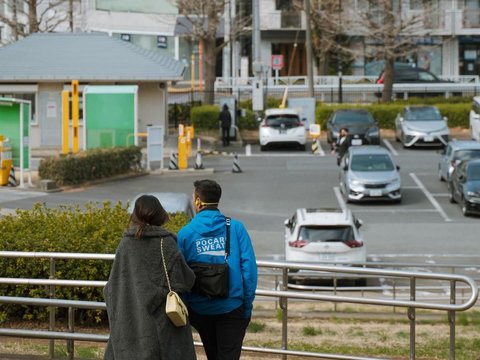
(339, 197)
(430, 197)
(390, 147)
(383, 210)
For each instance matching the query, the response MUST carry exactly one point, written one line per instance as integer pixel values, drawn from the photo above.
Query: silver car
(369, 173)
(455, 152)
(421, 125)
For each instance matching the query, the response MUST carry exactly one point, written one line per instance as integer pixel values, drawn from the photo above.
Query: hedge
(90, 165)
(248, 121)
(96, 228)
(205, 117)
(457, 113)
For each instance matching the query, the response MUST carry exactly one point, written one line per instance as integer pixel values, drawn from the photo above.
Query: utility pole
(257, 84)
(308, 43)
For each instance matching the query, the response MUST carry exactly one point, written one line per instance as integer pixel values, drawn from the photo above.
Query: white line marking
(390, 147)
(441, 194)
(339, 196)
(429, 196)
(393, 211)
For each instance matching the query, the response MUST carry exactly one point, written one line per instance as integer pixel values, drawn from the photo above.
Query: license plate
(325, 257)
(428, 138)
(375, 192)
(356, 142)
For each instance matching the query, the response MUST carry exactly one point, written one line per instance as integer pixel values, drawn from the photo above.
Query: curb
(183, 172)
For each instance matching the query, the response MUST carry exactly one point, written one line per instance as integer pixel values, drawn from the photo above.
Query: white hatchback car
(475, 119)
(324, 236)
(282, 126)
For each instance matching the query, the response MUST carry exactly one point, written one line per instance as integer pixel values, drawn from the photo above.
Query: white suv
(475, 119)
(282, 126)
(324, 235)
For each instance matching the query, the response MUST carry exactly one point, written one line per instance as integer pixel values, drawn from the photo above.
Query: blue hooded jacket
(203, 240)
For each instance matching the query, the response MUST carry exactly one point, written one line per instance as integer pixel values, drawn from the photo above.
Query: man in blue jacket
(221, 322)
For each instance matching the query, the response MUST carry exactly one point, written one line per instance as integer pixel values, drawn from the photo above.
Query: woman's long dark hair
(147, 211)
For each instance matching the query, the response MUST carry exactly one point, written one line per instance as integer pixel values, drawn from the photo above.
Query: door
(50, 118)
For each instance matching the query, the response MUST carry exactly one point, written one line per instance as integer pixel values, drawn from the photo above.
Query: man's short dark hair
(208, 191)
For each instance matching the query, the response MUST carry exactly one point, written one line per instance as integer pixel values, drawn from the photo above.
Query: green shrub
(205, 117)
(97, 228)
(90, 165)
(248, 121)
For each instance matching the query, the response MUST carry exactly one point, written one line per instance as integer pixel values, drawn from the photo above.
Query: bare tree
(203, 18)
(26, 17)
(382, 23)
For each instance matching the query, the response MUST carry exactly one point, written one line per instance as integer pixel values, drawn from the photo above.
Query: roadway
(425, 227)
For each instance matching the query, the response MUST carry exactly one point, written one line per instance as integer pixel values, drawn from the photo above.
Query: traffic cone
(173, 164)
(11, 178)
(198, 161)
(236, 165)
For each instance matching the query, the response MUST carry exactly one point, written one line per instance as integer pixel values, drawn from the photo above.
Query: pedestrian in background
(137, 287)
(342, 144)
(225, 122)
(221, 322)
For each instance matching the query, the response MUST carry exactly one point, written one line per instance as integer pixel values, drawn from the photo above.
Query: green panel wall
(110, 119)
(10, 127)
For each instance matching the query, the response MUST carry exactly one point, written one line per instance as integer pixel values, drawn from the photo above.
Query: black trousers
(222, 335)
(226, 136)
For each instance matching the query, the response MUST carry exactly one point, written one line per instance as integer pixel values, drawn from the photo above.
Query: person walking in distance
(342, 144)
(137, 288)
(225, 122)
(220, 321)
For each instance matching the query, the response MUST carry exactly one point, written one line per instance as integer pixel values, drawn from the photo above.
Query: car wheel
(303, 147)
(465, 210)
(263, 147)
(440, 176)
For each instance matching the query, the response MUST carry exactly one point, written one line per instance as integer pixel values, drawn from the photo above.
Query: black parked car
(464, 186)
(362, 127)
(412, 75)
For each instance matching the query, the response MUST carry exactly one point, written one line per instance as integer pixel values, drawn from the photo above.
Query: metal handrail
(283, 295)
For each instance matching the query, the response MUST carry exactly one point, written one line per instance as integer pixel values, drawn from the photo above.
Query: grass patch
(256, 327)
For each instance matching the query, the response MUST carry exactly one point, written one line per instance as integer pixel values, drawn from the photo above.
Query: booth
(110, 115)
(15, 115)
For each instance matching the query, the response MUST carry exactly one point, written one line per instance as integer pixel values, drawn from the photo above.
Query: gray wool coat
(135, 297)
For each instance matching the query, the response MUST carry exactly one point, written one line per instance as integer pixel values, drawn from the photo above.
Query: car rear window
(423, 114)
(344, 118)
(467, 154)
(285, 120)
(375, 162)
(326, 233)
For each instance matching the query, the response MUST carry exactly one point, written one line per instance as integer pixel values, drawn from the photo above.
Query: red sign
(277, 62)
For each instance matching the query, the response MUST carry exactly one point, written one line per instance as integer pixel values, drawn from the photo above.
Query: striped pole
(11, 178)
(173, 164)
(198, 161)
(236, 166)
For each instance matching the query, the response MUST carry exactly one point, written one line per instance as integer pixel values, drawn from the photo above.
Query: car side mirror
(398, 167)
(287, 223)
(445, 118)
(345, 167)
(358, 223)
(461, 178)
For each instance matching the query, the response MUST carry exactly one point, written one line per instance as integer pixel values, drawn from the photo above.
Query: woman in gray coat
(137, 288)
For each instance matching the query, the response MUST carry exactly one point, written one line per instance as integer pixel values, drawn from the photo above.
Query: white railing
(282, 293)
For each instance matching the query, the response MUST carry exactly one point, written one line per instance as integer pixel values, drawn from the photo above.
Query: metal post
(71, 328)
(51, 310)
(451, 320)
(284, 307)
(411, 317)
(308, 41)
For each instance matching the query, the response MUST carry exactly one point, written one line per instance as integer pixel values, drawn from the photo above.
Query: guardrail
(284, 294)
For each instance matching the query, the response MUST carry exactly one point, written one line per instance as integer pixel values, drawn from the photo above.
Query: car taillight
(353, 243)
(453, 163)
(298, 243)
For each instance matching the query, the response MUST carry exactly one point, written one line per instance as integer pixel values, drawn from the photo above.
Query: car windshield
(344, 118)
(473, 172)
(467, 154)
(423, 114)
(326, 233)
(372, 162)
(283, 120)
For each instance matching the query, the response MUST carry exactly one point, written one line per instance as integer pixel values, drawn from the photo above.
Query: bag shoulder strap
(227, 243)
(165, 265)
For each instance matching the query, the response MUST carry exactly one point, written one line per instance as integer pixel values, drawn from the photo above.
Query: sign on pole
(277, 62)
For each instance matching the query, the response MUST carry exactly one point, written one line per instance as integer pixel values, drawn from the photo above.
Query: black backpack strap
(227, 243)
